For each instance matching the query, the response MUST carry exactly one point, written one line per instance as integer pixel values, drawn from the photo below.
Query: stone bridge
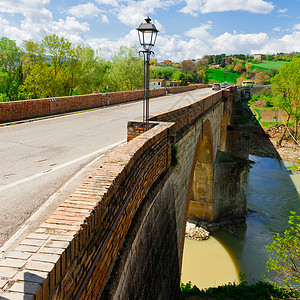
(120, 235)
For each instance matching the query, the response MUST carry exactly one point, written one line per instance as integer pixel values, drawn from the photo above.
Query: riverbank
(264, 143)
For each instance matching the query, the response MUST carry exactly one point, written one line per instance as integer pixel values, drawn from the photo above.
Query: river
(271, 195)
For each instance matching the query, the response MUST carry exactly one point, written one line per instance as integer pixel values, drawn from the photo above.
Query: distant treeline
(55, 67)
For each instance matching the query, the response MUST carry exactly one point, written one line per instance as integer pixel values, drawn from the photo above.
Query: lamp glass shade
(147, 34)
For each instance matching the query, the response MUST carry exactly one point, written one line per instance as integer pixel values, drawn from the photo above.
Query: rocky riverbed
(196, 233)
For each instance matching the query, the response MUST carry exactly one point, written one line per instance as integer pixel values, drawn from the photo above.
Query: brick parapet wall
(28, 109)
(87, 230)
(187, 114)
(85, 233)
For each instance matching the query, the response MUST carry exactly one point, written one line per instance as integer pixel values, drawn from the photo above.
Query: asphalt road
(43, 161)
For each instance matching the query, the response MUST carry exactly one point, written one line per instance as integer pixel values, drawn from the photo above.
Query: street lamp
(147, 36)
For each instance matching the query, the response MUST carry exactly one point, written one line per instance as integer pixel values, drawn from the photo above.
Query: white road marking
(48, 171)
(51, 199)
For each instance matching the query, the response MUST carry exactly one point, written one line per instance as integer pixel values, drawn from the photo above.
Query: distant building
(258, 56)
(157, 83)
(228, 60)
(167, 62)
(174, 83)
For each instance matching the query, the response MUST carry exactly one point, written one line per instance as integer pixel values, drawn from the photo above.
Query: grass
(218, 76)
(265, 65)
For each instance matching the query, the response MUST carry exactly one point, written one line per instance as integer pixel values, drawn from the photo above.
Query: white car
(216, 86)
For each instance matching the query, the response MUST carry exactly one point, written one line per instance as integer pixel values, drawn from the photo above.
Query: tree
(248, 66)
(238, 68)
(285, 262)
(202, 76)
(126, 72)
(261, 78)
(211, 60)
(10, 69)
(89, 71)
(182, 76)
(286, 89)
(47, 66)
(189, 66)
(240, 80)
(223, 64)
(163, 73)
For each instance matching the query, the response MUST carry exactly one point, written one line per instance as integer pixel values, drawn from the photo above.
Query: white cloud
(159, 27)
(108, 2)
(70, 26)
(84, 10)
(283, 10)
(239, 43)
(12, 32)
(297, 26)
(208, 6)
(276, 29)
(288, 43)
(198, 32)
(108, 47)
(135, 12)
(104, 19)
(20, 6)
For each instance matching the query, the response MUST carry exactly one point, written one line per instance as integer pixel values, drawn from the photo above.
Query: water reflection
(207, 263)
(271, 195)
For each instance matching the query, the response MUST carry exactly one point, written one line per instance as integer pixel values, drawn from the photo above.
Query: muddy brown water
(272, 192)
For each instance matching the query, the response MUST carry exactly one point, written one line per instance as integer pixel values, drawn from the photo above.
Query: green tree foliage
(182, 76)
(90, 71)
(286, 88)
(126, 71)
(57, 68)
(242, 291)
(10, 70)
(202, 76)
(163, 73)
(285, 260)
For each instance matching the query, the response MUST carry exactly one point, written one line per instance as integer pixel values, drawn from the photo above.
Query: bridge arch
(200, 193)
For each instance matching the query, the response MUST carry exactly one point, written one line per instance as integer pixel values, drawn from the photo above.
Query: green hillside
(265, 65)
(219, 76)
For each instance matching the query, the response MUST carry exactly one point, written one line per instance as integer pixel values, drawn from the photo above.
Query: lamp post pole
(146, 90)
(147, 37)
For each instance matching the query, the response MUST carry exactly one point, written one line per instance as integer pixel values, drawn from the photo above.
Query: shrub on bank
(242, 291)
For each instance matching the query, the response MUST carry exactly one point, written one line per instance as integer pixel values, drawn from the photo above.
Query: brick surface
(7, 272)
(26, 248)
(2, 283)
(18, 255)
(57, 244)
(49, 250)
(31, 276)
(40, 266)
(43, 257)
(38, 236)
(16, 296)
(25, 287)
(14, 263)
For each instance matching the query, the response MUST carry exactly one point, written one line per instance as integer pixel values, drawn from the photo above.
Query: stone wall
(28, 109)
(147, 266)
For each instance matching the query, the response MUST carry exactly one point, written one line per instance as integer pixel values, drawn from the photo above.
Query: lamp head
(147, 34)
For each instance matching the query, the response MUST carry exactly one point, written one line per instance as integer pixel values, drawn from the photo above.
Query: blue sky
(188, 28)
